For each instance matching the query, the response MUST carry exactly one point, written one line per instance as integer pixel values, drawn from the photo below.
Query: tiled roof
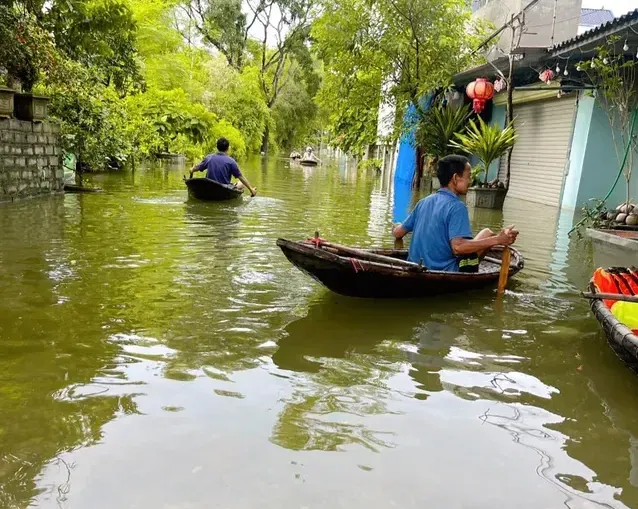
(595, 17)
(608, 28)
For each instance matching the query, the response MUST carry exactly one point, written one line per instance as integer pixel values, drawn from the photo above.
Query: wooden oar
(505, 269)
(398, 243)
(610, 296)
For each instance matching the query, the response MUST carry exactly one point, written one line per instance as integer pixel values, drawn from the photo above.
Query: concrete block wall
(30, 159)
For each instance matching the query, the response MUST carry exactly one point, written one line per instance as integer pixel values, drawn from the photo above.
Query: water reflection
(144, 336)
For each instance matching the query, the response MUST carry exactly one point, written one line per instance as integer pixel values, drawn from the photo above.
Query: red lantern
(480, 91)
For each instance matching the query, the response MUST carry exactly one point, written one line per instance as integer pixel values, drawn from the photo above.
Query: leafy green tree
(97, 33)
(278, 51)
(26, 49)
(91, 115)
(223, 25)
(409, 46)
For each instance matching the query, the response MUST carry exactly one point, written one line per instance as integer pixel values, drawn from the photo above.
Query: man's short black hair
(448, 166)
(222, 144)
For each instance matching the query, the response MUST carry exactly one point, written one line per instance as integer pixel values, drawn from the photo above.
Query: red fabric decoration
(547, 76)
(480, 91)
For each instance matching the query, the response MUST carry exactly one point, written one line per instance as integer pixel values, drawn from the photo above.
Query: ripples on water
(157, 352)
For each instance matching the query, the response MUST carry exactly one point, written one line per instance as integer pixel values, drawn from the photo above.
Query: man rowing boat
(220, 167)
(442, 238)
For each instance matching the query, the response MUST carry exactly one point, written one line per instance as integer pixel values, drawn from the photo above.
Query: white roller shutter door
(541, 154)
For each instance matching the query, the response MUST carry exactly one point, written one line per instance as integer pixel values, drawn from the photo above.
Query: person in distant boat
(220, 167)
(295, 155)
(442, 238)
(309, 155)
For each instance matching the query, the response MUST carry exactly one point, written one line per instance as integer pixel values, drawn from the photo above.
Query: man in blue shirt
(220, 167)
(442, 238)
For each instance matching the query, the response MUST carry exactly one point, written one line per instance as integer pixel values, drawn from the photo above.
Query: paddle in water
(505, 270)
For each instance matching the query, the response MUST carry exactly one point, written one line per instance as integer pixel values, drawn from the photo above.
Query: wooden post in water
(505, 269)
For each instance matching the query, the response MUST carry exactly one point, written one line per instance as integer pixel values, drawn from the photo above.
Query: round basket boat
(386, 273)
(210, 190)
(620, 337)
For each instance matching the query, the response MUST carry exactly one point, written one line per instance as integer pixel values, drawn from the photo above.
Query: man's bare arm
(461, 246)
(399, 231)
(244, 181)
(194, 169)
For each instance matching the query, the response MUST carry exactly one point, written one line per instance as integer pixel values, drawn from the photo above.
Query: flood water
(161, 353)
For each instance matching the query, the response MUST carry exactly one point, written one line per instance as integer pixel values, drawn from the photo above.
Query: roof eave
(593, 38)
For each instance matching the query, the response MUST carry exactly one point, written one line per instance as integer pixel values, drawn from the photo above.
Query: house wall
(498, 117)
(594, 163)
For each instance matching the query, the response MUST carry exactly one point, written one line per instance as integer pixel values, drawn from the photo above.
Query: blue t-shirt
(434, 222)
(219, 167)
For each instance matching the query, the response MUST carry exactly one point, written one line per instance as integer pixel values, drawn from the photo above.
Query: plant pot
(486, 197)
(30, 107)
(6, 102)
(613, 248)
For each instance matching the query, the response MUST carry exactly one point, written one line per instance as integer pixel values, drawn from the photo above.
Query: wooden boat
(386, 273)
(308, 162)
(620, 337)
(73, 188)
(211, 190)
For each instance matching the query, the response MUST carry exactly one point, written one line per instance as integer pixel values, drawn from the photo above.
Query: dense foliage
(131, 79)
(406, 47)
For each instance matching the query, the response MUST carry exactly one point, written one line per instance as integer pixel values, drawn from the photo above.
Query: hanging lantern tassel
(480, 91)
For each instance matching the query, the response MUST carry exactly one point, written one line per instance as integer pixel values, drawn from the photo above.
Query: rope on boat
(354, 262)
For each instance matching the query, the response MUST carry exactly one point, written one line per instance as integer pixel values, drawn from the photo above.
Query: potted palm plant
(435, 131)
(488, 142)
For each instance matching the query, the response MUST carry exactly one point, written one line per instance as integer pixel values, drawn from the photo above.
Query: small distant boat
(622, 340)
(386, 273)
(210, 190)
(308, 162)
(73, 188)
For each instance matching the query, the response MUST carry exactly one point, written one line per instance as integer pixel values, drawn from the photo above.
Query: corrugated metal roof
(603, 30)
(595, 17)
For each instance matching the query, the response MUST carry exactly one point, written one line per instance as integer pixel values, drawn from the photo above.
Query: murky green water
(158, 353)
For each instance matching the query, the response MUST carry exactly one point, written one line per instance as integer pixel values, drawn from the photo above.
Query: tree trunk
(265, 140)
(418, 171)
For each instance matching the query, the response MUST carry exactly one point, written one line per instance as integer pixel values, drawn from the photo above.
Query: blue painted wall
(498, 117)
(593, 160)
(406, 158)
(580, 138)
